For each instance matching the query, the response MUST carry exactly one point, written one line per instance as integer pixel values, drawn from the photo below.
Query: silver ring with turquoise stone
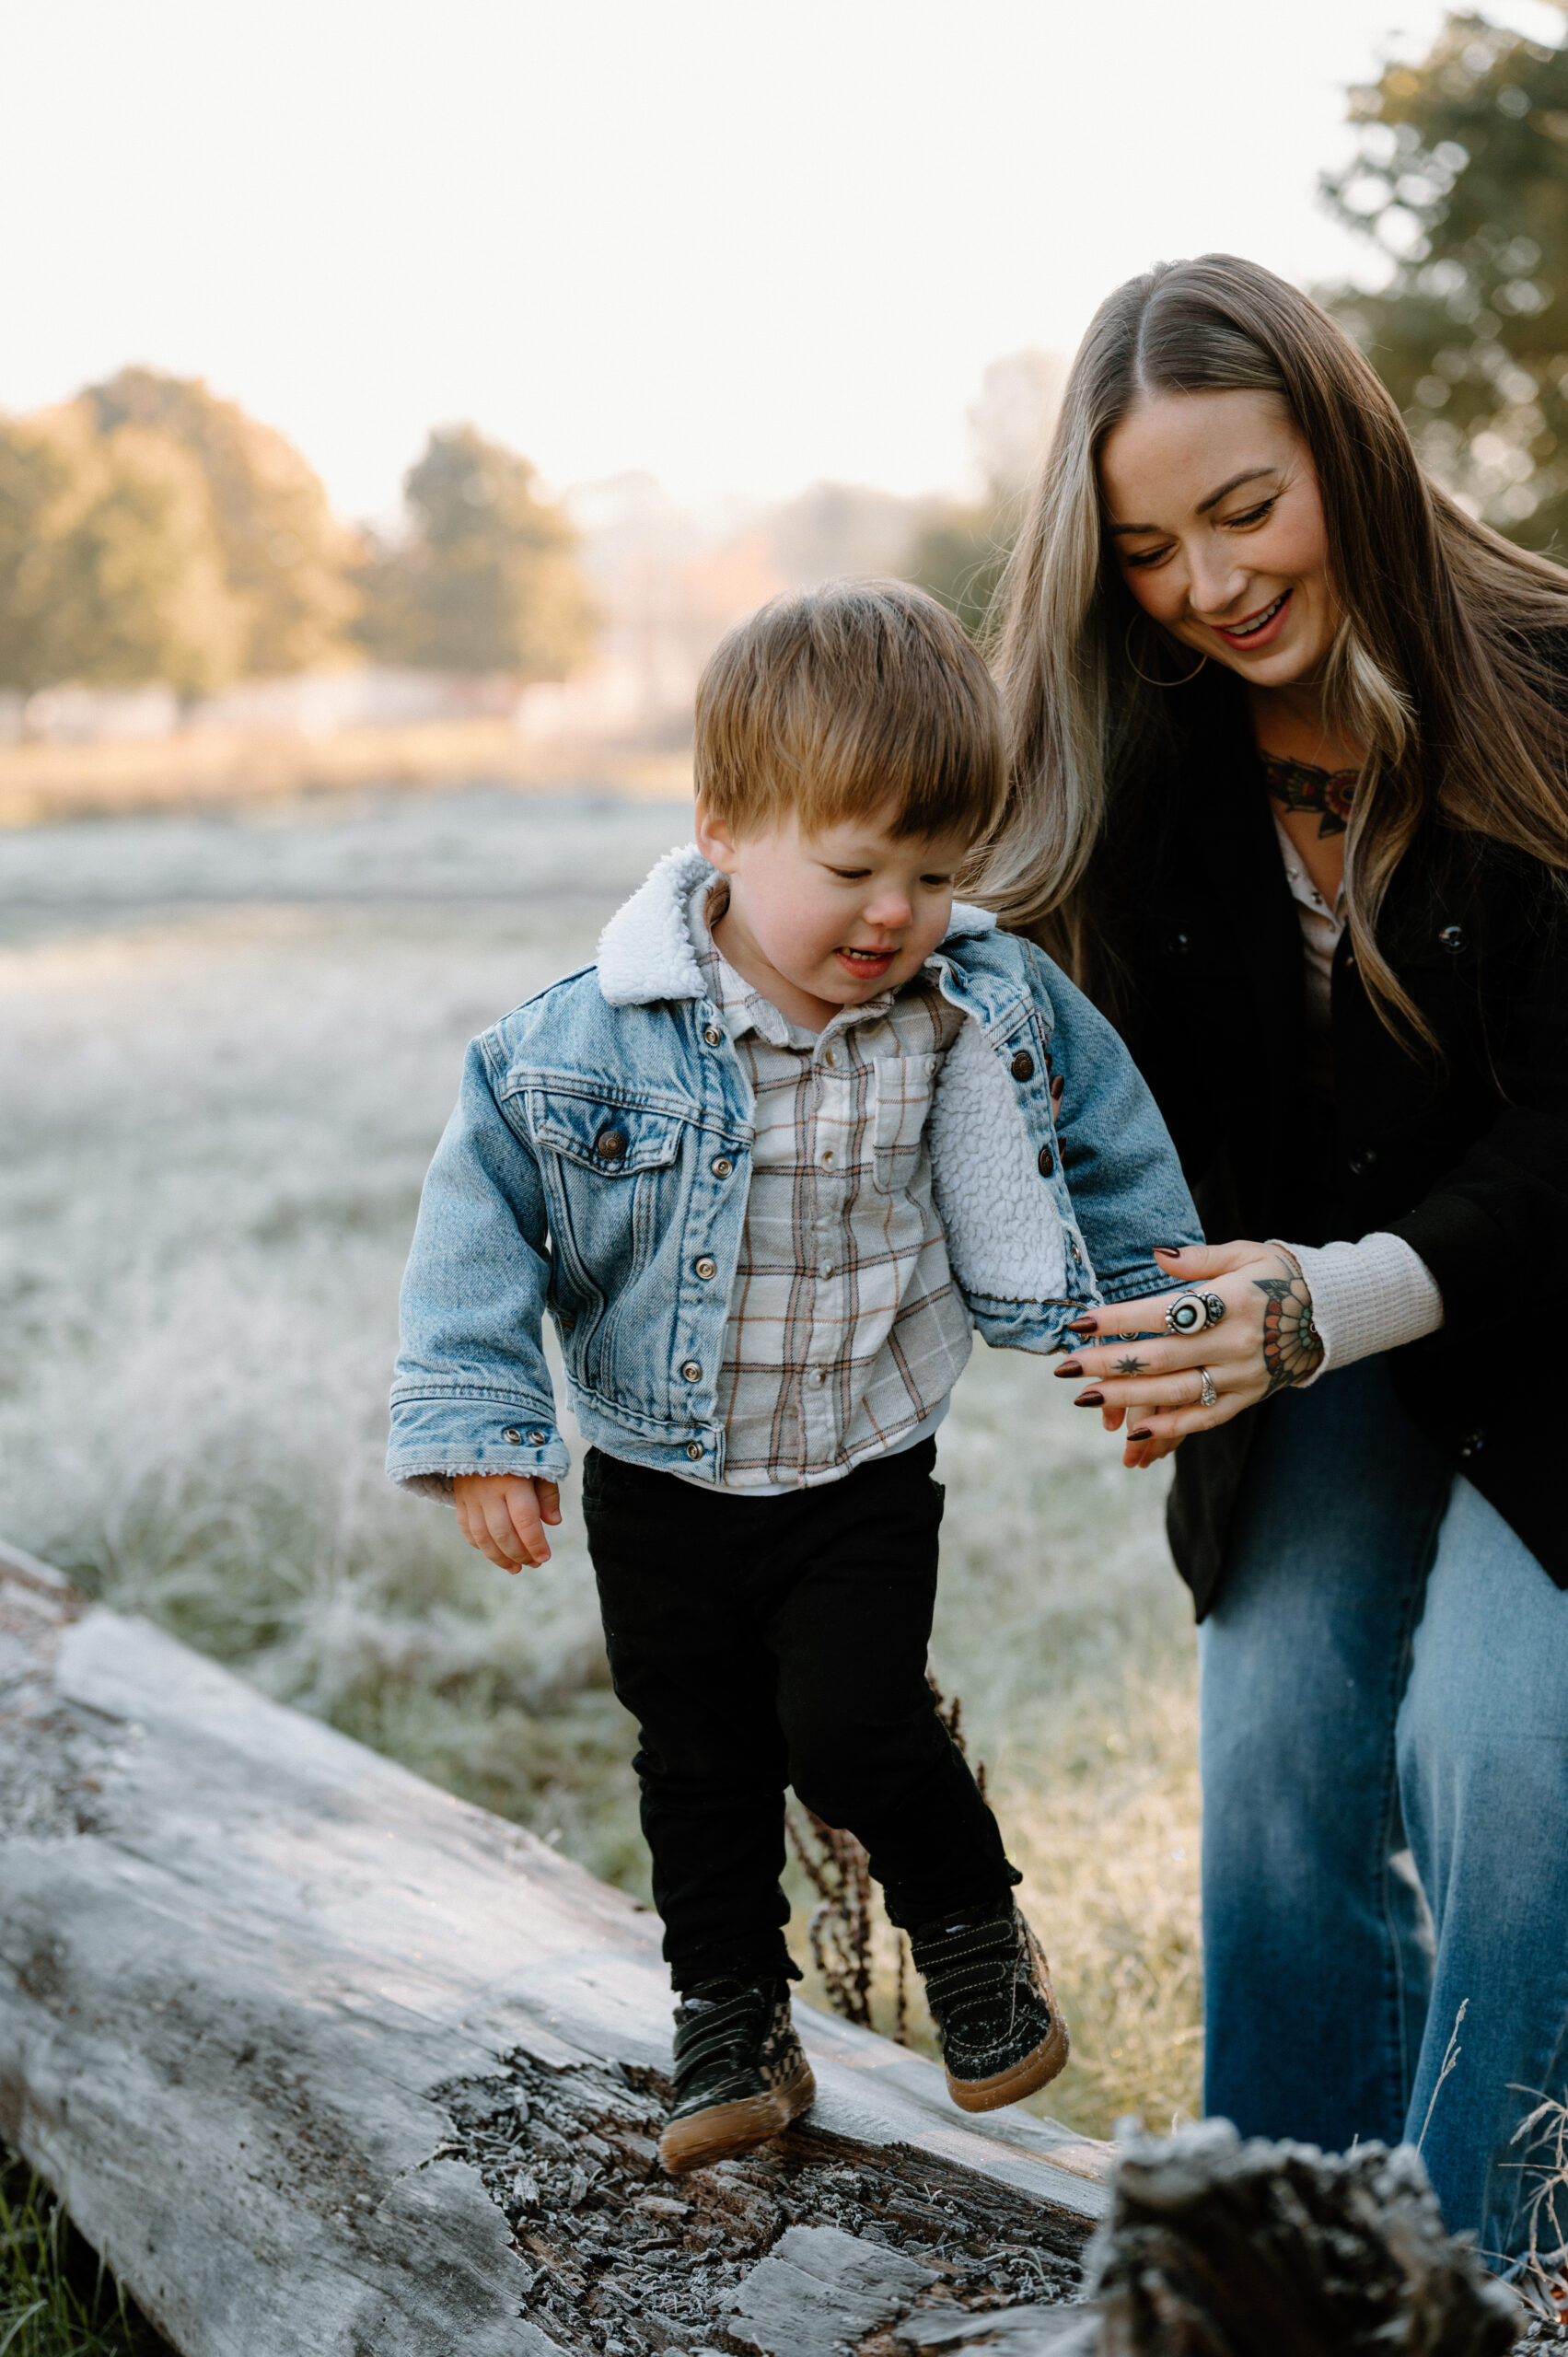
(1193, 1313)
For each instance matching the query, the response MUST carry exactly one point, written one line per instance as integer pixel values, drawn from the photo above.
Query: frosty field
(228, 1046)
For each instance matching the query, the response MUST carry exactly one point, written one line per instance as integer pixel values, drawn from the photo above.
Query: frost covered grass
(228, 1046)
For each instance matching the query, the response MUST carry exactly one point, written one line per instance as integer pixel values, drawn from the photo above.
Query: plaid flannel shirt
(846, 1332)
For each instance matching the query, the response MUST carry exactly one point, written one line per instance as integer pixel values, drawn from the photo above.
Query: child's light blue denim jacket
(597, 1167)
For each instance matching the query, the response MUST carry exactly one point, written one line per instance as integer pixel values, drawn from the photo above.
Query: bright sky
(739, 245)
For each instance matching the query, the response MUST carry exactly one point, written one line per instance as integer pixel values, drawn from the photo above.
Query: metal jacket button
(536, 1440)
(512, 1436)
(1047, 1162)
(611, 1144)
(692, 1371)
(694, 1450)
(707, 1268)
(1023, 1065)
(713, 1035)
(721, 1165)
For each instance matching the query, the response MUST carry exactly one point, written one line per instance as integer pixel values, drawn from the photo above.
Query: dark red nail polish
(1084, 1326)
(1089, 1399)
(1171, 1251)
(1143, 1432)
(1069, 1368)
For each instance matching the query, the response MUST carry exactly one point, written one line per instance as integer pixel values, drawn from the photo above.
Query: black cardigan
(1466, 1158)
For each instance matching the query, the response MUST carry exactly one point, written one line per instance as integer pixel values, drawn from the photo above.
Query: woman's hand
(1265, 1342)
(504, 1515)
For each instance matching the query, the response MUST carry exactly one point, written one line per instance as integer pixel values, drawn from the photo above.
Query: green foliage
(283, 555)
(958, 555)
(1461, 179)
(55, 2300)
(487, 580)
(110, 572)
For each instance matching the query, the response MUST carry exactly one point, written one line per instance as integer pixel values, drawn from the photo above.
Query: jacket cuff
(1465, 1252)
(1366, 1297)
(435, 1437)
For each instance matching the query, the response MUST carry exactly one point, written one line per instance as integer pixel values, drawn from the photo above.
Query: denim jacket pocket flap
(614, 1140)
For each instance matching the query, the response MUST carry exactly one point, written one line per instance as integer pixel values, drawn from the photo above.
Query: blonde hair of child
(860, 699)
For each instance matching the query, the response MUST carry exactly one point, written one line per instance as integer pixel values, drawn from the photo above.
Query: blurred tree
(487, 579)
(1460, 177)
(110, 569)
(959, 550)
(285, 558)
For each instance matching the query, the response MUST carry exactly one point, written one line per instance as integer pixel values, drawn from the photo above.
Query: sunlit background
(396, 403)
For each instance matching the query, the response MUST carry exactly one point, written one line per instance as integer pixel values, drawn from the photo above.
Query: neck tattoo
(1297, 785)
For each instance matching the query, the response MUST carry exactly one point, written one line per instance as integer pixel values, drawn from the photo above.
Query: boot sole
(1020, 2079)
(726, 2129)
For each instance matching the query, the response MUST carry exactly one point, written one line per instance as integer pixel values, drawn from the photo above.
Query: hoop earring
(1131, 665)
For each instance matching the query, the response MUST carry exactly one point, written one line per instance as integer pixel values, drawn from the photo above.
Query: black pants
(766, 1641)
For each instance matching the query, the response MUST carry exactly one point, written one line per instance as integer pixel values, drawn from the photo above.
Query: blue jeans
(1384, 1753)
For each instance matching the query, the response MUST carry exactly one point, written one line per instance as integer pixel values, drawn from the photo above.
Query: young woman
(1290, 800)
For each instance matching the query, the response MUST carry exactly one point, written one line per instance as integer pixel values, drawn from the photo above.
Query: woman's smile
(1258, 630)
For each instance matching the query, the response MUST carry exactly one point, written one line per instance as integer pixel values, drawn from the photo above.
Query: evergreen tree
(1461, 179)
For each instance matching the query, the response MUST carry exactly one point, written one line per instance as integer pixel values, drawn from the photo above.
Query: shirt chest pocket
(901, 1089)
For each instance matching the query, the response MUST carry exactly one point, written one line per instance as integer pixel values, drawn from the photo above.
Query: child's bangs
(861, 701)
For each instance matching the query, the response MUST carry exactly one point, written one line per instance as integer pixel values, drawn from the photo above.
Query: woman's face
(1212, 508)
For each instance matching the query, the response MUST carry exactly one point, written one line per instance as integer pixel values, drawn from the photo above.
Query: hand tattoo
(1132, 1366)
(1292, 1349)
(1299, 785)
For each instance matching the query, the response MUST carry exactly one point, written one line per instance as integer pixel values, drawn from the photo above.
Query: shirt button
(692, 1371)
(826, 1269)
(512, 1436)
(1023, 1065)
(828, 1155)
(1452, 939)
(713, 1035)
(1047, 1162)
(818, 1374)
(721, 1165)
(829, 1058)
(694, 1450)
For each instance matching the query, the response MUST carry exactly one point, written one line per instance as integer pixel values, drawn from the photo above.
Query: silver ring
(1208, 1395)
(1190, 1313)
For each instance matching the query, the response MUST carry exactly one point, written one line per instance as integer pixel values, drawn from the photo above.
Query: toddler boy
(767, 1165)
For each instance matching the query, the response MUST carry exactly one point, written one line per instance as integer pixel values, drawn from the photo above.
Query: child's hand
(504, 1515)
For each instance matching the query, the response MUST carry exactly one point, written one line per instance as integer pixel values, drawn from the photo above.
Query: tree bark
(290, 2031)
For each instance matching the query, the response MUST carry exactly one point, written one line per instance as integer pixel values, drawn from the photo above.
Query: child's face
(837, 917)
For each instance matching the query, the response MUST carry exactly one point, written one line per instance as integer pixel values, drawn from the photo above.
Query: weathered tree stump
(1217, 2248)
(323, 2059)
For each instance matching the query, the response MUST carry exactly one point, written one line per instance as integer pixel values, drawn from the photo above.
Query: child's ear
(715, 840)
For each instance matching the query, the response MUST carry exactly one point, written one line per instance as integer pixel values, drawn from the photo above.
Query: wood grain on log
(265, 1995)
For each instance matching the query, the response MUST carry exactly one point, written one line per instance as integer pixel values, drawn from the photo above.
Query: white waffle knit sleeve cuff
(1366, 1297)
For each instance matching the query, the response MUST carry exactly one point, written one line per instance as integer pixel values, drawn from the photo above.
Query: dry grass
(221, 1097)
(44, 784)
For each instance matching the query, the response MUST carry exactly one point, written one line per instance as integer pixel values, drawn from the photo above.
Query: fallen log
(320, 2059)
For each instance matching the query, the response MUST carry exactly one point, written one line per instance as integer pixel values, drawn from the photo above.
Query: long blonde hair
(1437, 668)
